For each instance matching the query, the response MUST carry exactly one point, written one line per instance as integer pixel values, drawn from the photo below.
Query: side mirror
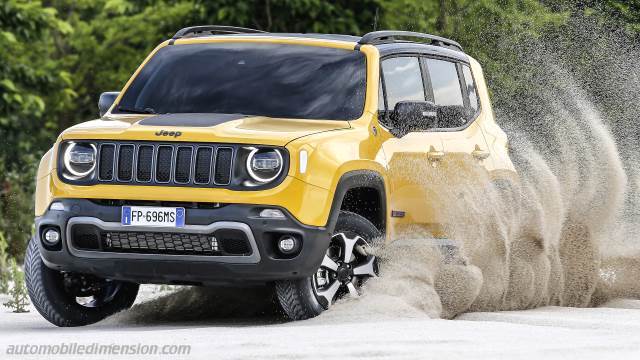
(106, 100)
(409, 116)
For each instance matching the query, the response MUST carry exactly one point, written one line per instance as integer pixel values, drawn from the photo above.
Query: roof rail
(378, 36)
(214, 29)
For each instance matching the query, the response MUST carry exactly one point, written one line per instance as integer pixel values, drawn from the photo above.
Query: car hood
(226, 128)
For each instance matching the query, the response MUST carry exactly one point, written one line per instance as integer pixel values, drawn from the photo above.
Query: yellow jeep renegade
(234, 156)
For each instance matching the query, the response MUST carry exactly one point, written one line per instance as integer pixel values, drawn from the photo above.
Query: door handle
(480, 154)
(435, 155)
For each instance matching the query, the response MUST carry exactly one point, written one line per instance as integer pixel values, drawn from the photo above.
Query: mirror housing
(106, 100)
(409, 116)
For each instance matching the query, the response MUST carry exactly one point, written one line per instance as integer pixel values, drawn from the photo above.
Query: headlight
(79, 160)
(264, 165)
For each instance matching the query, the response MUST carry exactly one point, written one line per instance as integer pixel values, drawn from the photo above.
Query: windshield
(287, 81)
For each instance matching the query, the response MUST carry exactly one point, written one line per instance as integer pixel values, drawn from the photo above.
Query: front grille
(209, 165)
(160, 243)
(227, 242)
(175, 243)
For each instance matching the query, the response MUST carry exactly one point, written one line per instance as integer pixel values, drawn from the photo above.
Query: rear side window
(471, 89)
(445, 82)
(402, 80)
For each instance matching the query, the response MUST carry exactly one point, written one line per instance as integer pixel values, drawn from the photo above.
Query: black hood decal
(192, 120)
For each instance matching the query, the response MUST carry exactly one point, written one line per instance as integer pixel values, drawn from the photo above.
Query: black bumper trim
(253, 258)
(178, 269)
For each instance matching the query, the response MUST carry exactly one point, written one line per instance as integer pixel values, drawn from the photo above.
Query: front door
(414, 159)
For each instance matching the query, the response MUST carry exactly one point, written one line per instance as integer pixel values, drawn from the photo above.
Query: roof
(388, 42)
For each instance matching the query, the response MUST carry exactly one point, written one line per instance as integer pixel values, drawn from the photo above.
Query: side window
(471, 90)
(445, 82)
(402, 80)
(448, 93)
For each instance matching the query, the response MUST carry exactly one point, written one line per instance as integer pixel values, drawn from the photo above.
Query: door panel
(415, 177)
(413, 160)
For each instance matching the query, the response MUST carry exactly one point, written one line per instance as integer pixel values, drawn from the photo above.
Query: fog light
(51, 236)
(272, 213)
(288, 244)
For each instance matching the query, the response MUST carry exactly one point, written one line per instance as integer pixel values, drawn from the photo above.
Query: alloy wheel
(344, 269)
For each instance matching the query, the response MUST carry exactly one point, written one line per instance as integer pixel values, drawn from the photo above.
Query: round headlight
(80, 159)
(264, 165)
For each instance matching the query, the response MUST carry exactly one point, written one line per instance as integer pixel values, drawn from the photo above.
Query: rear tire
(57, 305)
(300, 299)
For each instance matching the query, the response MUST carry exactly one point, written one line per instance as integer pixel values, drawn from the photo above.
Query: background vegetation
(57, 56)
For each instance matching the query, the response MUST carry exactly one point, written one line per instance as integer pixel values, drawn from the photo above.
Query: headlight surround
(79, 160)
(264, 164)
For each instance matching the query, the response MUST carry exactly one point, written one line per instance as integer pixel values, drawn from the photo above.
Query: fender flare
(356, 179)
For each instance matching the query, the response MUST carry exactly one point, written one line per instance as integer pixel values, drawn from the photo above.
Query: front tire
(345, 267)
(67, 300)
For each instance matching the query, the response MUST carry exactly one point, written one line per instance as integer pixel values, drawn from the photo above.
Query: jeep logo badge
(175, 134)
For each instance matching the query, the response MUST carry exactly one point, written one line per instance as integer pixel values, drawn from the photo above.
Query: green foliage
(5, 276)
(32, 90)
(19, 302)
(58, 56)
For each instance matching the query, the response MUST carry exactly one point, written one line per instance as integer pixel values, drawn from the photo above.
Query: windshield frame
(370, 53)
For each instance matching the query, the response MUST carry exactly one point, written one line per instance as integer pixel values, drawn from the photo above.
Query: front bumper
(263, 264)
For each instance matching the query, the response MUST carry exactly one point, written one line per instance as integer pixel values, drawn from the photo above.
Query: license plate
(152, 216)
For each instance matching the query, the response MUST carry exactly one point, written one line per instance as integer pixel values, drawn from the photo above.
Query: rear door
(467, 159)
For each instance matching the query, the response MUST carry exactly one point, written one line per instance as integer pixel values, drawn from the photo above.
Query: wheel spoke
(366, 269)
(349, 244)
(328, 263)
(330, 292)
(352, 290)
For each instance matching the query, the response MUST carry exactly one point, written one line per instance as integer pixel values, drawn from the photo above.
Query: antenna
(375, 19)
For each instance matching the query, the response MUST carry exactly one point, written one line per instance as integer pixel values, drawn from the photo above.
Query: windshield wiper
(146, 110)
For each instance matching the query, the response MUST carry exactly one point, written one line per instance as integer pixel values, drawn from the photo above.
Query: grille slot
(224, 158)
(164, 163)
(107, 153)
(125, 162)
(183, 164)
(144, 163)
(203, 165)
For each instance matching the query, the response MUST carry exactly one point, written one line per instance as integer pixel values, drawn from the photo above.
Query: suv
(238, 157)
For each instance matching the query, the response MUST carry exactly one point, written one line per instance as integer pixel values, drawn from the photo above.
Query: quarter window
(402, 80)
(445, 83)
(471, 89)
(380, 97)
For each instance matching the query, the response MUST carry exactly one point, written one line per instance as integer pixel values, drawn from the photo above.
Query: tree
(19, 297)
(33, 88)
(4, 266)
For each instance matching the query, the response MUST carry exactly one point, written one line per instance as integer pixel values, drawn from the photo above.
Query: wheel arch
(350, 187)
